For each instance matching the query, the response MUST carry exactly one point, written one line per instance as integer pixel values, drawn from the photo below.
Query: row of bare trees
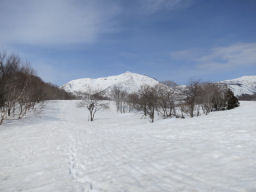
(21, 89)
(16, 97)
(192, 100)
(148, 99)
(209, 97)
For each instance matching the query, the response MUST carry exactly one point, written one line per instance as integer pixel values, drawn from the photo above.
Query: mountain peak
(128, 81)
(128, 73)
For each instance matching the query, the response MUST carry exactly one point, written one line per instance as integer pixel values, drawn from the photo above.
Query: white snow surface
(242, 85)
(60, 151)
(128, 81)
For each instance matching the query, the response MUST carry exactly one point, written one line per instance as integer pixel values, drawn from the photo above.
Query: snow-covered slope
(131, 82)
(242, 85)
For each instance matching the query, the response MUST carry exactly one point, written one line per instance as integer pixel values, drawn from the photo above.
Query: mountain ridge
(245, 85)
(131, 82)
(128, 81)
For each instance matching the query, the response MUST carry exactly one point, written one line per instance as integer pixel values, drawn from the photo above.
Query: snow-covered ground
(59, 150)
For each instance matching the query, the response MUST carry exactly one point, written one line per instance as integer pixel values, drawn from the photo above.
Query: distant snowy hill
(245, 85)
(130, 82)
(242, 85)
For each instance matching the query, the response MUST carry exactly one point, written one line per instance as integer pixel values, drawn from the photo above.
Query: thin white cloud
(51, 22)
(220, 58)
(229, 57)
(153, 6)
(187, 54)
(55, 21)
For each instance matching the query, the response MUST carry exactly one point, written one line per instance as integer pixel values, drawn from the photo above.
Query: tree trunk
(145, 111)
(91, 115)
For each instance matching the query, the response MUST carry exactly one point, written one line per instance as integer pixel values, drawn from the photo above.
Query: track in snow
(61, 151)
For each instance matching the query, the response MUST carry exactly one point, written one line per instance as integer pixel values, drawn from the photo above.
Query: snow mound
(242, 85)
(128, 81)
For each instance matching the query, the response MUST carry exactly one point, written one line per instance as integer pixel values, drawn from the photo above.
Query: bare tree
(116, 94)
(165, 100)
(121, 99)
(148, 101)
(192, 93)
(93, 104)
(162, 93)
(133, 101)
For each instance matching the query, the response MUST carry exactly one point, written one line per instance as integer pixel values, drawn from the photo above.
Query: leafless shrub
(93, 104)
(121, 99)
(165, 100)
(192, 94)
(147, 101)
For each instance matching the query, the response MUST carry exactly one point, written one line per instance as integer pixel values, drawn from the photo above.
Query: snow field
(60, 150)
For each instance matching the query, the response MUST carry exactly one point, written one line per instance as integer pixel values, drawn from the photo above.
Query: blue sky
(177, 40)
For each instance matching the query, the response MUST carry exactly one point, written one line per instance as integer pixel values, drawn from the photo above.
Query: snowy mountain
(245, 85)
(130, 82)
(242, 85)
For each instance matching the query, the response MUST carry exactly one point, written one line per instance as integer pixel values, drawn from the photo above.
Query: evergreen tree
(232, 101)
